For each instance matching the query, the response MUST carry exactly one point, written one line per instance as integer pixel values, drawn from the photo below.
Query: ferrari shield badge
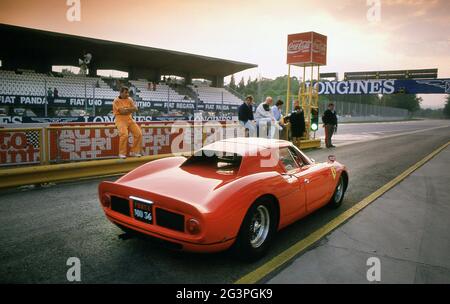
(333, 172)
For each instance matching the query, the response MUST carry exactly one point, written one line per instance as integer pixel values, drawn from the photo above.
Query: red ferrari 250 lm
(235, 192)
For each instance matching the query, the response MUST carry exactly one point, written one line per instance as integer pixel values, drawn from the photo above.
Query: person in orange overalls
(123, 107)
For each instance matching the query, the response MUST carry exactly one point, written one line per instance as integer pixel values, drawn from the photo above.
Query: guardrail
(69, 143)
(58, 153)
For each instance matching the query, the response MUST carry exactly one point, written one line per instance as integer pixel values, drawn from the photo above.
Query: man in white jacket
(265, 119)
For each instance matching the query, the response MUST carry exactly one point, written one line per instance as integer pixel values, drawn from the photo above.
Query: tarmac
(406, 230)
(42, 227)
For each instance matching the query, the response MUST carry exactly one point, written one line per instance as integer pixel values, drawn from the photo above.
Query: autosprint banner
(358, 87)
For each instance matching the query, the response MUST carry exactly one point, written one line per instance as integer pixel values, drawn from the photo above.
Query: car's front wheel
(257, 230)
(338, 195)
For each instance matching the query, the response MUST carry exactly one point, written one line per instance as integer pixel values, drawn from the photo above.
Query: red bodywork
(218, 200)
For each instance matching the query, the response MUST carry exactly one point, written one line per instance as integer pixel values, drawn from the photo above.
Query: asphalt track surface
(42, 227)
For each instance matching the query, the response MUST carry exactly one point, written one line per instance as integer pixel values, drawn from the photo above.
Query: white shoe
(135, 154)
(122, 156)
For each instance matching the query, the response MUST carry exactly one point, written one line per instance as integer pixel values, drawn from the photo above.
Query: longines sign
(427, 86)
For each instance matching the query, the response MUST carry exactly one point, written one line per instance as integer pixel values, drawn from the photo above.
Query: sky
(362, 34)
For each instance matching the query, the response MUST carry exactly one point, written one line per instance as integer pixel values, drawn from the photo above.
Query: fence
(354, 112)
(61, 144)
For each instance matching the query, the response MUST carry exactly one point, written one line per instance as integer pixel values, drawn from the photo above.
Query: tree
(241, 86)
(232, 82)
(409, 102)
(447, 107)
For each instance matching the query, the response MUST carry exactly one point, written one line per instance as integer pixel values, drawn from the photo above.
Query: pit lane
(43, 227)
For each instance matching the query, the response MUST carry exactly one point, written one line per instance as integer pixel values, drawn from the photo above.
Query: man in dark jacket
(245, 116)
(329, 120)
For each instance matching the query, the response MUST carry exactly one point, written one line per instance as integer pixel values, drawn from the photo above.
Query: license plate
(143, 212)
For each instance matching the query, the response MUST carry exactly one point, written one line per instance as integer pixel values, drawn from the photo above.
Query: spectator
(149, 86)
(265, 119)
(97, 84)
(55, 93)
(297, 120)
(49, 93)
(276, 110)
(123, 107)
(330, 122)
(132, 90)
(245, 116)
(154, 86)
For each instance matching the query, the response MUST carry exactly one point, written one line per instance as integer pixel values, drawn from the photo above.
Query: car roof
(245, 145)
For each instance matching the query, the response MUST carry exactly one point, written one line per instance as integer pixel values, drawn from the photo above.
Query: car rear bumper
(168, 240)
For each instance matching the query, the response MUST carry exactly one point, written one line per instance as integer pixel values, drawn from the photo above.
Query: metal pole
(222, 105)
(93, 98)
(288, 93)
(85, 95)
(303, 95)
(168, 98)
(47, 100)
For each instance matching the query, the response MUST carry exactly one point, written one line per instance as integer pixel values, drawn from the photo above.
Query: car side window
(300, 157)
(297, 157)
(287, 160)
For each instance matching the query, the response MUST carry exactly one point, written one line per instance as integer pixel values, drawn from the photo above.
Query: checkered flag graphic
(33, 139)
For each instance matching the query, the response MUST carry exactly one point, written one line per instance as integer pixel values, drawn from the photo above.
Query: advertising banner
(66, 102)
(364, 87)
(305, 49)
(19, 147)
(98, 143)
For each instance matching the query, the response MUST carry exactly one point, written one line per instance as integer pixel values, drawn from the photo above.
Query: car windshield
(221, 162)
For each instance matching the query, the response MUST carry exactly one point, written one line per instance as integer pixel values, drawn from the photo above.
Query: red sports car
(237, 191)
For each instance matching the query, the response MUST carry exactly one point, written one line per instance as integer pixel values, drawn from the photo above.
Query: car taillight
(193, 226)
(106, 200)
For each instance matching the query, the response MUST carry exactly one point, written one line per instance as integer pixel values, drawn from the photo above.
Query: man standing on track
(330, 122)
(123, 107)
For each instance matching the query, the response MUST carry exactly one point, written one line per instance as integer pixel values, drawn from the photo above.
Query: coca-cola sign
(308, 48)
(299, 46)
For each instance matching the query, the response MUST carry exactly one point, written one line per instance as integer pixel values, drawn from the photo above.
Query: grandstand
(29, 83)
(208, 94)
(162, 92)
(26, 76)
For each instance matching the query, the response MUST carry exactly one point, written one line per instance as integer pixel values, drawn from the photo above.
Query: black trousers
(329, 130)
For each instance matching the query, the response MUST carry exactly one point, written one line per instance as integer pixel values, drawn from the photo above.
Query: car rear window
(221, 162)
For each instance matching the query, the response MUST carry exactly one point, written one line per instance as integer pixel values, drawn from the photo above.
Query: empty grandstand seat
(209, 94)
(29, 83)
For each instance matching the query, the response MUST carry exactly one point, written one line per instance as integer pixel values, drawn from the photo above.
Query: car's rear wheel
(338, 195)
(257, 230)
